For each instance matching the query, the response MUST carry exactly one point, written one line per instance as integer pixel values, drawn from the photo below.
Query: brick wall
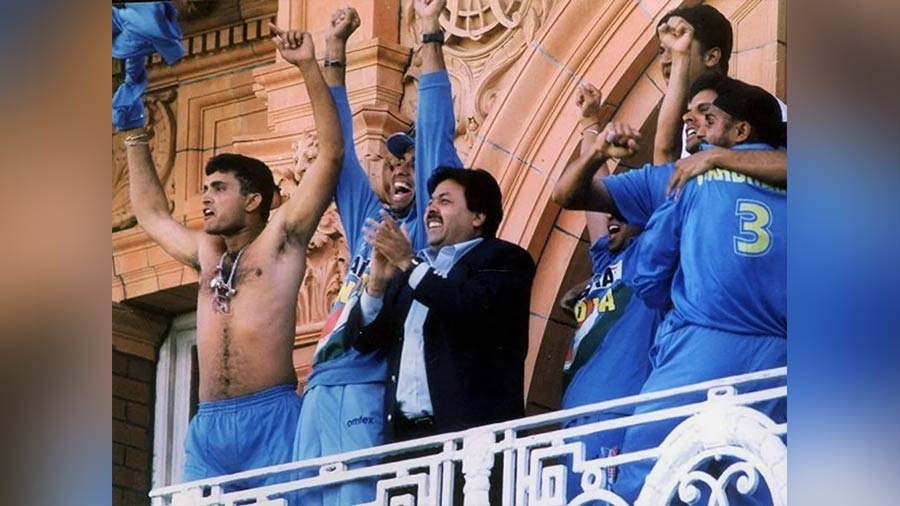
(134, 380)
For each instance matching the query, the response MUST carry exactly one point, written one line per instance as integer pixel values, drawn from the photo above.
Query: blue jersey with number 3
(720, 249)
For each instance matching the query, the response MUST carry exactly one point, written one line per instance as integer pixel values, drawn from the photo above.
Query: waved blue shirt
(720, 250)
(336, 362)
(138, 30)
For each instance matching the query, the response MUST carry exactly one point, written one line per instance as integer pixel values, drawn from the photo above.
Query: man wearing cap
(718, 252)
(344, 399)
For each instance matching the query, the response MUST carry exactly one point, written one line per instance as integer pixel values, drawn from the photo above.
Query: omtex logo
(360, 420)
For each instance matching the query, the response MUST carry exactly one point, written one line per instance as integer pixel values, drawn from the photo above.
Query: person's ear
(252, 201)
(741, 131)
(712, 57)
(478, 220)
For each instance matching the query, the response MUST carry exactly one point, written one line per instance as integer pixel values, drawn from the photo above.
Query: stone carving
(326, 266)
(161, 127)
(484, 42)
(326, 255)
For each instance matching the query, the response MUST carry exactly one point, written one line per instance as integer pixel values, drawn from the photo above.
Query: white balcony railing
(535, 454)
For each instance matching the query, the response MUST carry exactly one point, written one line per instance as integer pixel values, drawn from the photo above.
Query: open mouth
(207, 212)
(613, 228)
(400, 190)
(690, 131)
(433, 222)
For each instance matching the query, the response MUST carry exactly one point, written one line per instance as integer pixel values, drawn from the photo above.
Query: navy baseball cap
(399, 143)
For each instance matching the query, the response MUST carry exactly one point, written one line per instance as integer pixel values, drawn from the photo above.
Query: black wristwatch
(333, 63)
(433, 37)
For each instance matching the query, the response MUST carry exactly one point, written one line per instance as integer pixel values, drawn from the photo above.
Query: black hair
(711, 29)
(481, 191)
(253, 175)
(745, 102)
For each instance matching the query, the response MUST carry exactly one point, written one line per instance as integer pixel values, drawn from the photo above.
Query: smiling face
(704, 122)
(620, 234)
(400, 182)
(447, 217)
(224, 206)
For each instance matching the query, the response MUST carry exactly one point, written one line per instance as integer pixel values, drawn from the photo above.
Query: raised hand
(344, 21)
(295, 46)
(617, 140)
(588, 100)
(429, 9)
(676, 34)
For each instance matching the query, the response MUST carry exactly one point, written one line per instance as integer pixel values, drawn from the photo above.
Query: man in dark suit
(454, 319)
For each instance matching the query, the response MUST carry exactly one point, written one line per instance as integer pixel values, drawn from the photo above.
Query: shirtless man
(250, 273)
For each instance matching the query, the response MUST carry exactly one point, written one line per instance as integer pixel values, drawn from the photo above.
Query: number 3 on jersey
(754, 239)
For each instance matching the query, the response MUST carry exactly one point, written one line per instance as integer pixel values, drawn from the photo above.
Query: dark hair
(708, 81)
(253, 175)
(711, 29)
(481, 191)
(745, 102)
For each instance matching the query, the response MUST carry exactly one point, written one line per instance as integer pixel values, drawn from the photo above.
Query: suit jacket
(475, 335)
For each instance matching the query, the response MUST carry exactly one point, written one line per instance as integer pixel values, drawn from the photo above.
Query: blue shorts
(247, 432)
(689, 355)
(335, 419)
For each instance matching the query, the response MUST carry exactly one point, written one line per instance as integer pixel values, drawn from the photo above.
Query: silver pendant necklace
(223, 290)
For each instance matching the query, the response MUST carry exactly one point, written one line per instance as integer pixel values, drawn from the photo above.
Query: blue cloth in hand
(138, 30)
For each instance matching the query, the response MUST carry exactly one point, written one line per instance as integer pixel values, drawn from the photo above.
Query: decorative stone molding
(161, 127)
(326, 265)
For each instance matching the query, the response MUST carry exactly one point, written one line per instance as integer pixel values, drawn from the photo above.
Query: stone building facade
(514, 64)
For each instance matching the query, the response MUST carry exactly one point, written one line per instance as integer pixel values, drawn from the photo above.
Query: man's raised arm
(577, 188)
(312, 196)
(676, 36)
(344, 21)
(151, 207)
(432, 53)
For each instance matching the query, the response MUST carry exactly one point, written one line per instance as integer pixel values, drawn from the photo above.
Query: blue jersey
(616, 329)
(720, 250)
(639, 192)
(336, 362)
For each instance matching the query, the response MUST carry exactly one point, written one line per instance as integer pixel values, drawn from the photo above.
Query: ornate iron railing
(537, 458)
